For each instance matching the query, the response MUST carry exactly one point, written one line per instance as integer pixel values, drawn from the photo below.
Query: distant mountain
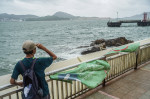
(64, 15)
(57, 16)
(138, 16)
(12, 17)
(47, 18)
(9, 17)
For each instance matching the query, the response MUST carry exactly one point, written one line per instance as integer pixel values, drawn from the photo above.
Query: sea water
(61, 37)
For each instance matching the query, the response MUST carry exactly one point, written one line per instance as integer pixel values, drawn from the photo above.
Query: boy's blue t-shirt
(39, 67)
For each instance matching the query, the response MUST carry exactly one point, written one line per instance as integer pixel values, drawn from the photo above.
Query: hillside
(138, 16)
(10, 17)
(58, 16)
(64, 15)
(47, 18)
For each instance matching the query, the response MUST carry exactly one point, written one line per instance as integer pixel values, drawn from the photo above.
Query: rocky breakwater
(101, 44)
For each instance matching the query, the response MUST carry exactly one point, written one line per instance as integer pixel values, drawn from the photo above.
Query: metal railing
(120, 64)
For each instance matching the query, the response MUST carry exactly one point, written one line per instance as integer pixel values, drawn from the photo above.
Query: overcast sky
(88, 8)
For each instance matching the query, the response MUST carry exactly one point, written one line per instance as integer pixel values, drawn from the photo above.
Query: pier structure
(144, 22)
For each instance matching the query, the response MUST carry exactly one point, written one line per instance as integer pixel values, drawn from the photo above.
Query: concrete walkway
(135, 85)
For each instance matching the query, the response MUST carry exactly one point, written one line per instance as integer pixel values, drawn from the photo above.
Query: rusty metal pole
(145, 17)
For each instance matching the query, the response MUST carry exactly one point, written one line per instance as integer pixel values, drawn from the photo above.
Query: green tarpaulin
(126, 48)
(90, 74)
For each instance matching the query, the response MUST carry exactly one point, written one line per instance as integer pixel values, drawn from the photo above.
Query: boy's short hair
(28, 47)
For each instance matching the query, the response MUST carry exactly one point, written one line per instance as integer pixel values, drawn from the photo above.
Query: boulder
(97, 42)
(94, 49)
(112, 42)
(91, 50)
(101, 44)
(117, 42)
(82, 46)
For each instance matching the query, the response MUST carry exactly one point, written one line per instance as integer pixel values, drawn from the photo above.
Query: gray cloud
(99, 8)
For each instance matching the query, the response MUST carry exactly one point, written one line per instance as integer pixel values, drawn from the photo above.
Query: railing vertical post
(52, 90)
(9, 96)
(104, 79)
(57, 89)
(17, 95)
(62, 94)
(137, 54)
(104, 83)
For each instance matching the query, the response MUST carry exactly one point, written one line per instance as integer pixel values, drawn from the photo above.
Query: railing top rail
(6, 86)
(145, 44)
(71, 66)
(52, 72)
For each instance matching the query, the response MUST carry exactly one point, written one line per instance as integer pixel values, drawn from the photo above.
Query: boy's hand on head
(40, 46)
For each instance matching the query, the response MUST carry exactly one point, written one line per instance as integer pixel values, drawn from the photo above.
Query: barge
(144, 22)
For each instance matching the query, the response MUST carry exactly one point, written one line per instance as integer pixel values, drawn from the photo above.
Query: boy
(29, 48)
